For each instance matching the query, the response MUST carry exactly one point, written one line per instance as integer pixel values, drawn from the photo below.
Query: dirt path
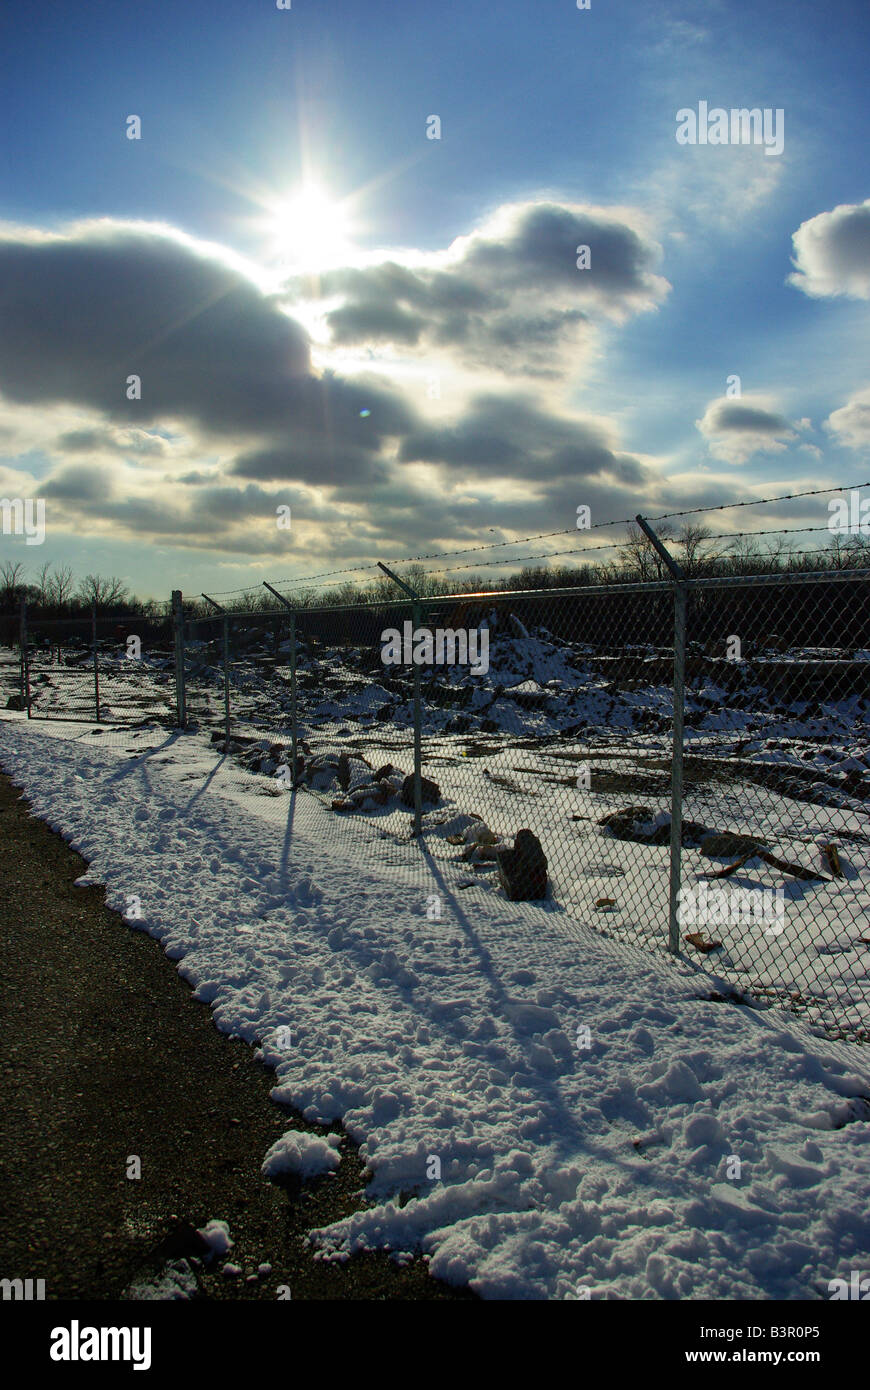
(104, 1055)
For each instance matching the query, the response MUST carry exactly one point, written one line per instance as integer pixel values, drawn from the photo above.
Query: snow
(305, 1155)
(522, 1155)
(176, 1282)
(216, 1235)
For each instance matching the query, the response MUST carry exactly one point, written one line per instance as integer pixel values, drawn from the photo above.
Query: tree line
(54, 592)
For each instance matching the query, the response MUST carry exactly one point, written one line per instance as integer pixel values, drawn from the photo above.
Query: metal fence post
(416, 617)
(294, 731)
(226, 665)
(677, 766)
(676, 857)
(178, 629)
(294, 728)
(226, 683)
(96, 660)
(25, 663)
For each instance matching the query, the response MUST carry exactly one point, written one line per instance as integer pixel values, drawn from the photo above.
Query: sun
(308, 230)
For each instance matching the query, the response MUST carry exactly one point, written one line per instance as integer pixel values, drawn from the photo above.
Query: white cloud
(850, 425)
(832, 253)
(735, 429)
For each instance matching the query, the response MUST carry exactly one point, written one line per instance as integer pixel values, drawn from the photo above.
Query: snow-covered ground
(546, 740)
(546, 1112)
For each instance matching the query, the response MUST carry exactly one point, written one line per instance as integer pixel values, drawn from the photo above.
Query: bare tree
(43, 585)
(62, 584)
(104, 592)
(11, 574)
(858, 551)
(691, 540)
(639, 557)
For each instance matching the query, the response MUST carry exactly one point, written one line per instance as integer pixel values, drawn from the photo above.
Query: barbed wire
(826, 551)
(761, 501)
(565, 531)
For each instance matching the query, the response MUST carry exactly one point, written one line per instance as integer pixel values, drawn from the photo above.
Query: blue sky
(552, 389)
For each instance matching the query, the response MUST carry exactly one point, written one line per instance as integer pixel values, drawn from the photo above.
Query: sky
(336, 270)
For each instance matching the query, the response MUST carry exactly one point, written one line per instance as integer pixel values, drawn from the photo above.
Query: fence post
(294, 731)
(96, 660)
(416, 616)
(676, 859)
(25, 663)
(226, 665)
(677, 765)
(178, 630)
(226, 683)
(294, 728)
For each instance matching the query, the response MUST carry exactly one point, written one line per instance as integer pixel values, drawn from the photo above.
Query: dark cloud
(83, 312)
(493, 294)
(312, 460)
(512, 438)
(78, 483)
(366, 321)
(734, 415)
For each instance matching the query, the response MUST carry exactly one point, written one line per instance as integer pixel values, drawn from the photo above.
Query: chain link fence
(687, 759)
(98, 668)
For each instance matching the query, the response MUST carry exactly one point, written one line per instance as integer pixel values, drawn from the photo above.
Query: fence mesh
(776, 781)
(552, 713)
(114, 668)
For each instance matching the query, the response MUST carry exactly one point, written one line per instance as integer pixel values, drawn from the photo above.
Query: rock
(430, 790)
(382, 772)
(15, 702)
(522, 871)
(384, 713)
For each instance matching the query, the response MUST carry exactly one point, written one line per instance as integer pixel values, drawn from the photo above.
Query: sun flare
(309, 229)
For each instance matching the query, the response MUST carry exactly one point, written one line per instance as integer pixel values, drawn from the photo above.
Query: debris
(832, 855)
(796, 870)
(696, 939)
(729, 868)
